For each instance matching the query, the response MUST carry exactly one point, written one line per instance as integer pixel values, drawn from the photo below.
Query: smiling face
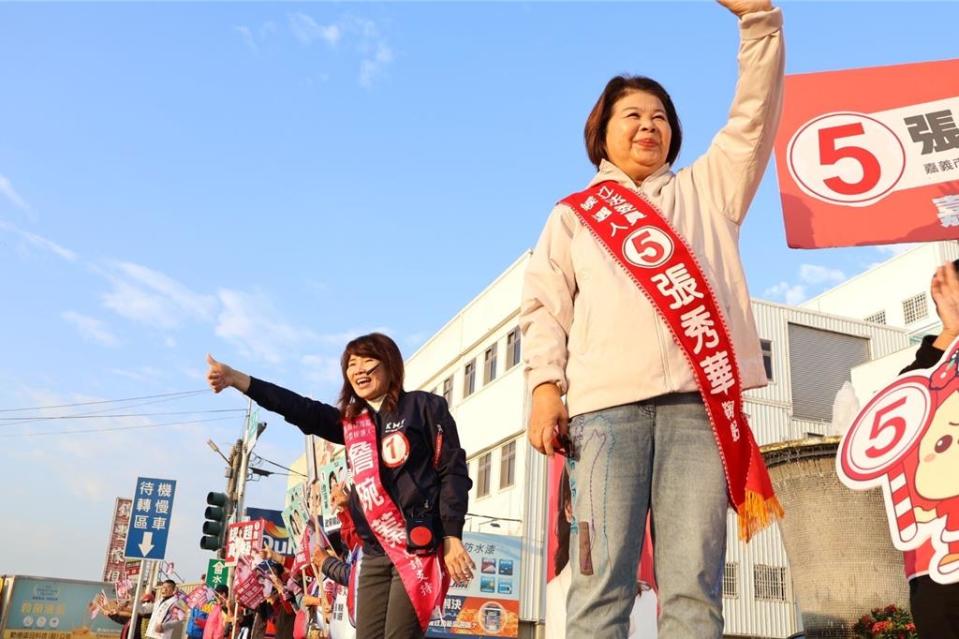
(939, 453)
(367, 376)
(638, 135)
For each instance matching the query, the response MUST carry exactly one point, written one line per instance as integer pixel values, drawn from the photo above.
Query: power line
(264, 459)
(106, 401)
(107, 430)
(103, 416)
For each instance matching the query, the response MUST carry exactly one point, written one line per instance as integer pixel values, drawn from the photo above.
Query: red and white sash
(665, 269)
(424, 576)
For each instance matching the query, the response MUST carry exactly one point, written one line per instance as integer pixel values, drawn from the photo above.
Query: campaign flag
(870, 156)
(243, 539)
(199, 596)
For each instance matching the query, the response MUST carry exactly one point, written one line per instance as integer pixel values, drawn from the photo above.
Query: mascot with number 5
(906, 440)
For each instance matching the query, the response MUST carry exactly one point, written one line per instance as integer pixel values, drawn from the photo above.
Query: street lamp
(216, 449)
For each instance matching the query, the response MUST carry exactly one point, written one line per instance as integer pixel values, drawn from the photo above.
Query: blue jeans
(659, 455)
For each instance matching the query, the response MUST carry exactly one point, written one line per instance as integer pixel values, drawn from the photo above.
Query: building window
(769, 582)
(489, 364)
(448, 390)
(482, 475)
(915, 308)
(877, 318)
(767, 347)
(507, 465)
(731, 580)
(469, 378)
(513, 348)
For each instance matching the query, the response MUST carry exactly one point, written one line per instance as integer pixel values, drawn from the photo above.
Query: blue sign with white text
(150, 518)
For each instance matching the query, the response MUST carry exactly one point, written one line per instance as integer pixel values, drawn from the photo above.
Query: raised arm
(729, 173)
(310, 416)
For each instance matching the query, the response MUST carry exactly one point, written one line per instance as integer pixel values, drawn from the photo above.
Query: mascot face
(939, 453)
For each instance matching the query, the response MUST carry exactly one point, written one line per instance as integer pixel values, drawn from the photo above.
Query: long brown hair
(383, 349)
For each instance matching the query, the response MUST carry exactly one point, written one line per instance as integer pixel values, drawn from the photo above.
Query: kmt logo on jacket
(392, 427)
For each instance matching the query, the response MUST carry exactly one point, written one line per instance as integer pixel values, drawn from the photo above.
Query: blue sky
(264, 181)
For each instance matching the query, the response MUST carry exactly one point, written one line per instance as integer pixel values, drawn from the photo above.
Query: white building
(894, 293)
(474, 360)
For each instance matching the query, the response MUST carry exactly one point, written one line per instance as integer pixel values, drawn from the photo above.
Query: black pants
(383, 608)
(935, 608)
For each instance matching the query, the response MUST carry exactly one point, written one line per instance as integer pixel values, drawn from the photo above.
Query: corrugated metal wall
(770, 416)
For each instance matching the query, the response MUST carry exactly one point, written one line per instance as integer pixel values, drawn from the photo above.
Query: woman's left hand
(742, 7)
(458, 562)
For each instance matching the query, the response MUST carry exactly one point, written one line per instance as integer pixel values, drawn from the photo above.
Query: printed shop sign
(906, 442)
(870, 156)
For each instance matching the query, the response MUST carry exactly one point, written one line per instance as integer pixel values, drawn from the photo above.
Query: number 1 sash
(665, 269)
(424, 577)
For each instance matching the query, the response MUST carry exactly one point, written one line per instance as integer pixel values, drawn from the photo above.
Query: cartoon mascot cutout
(906, 441)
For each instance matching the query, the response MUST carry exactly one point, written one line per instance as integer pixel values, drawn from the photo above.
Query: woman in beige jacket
(640, 435)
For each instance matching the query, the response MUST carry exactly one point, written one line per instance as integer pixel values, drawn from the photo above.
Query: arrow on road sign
(146, 545)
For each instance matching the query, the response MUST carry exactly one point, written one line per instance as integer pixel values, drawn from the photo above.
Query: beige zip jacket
(587, 327)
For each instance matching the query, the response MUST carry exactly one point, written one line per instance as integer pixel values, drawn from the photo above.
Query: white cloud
(252, 324)
(141, 374)
(247, 35)
(322, 369)
(791, 294)
(40, 242)
(374, 65)
(811, 276)
(893, 250)
(6, 188)
(815, 274)
(91, 328)
(307, 30)
(148, 296)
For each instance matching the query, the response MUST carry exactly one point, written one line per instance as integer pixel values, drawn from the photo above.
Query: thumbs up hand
(220, 376)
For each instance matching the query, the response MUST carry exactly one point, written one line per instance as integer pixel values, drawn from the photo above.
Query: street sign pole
(136, 600)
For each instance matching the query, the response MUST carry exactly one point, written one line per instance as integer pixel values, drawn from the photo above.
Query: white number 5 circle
(849, 159)
(648, 247)
(886, 429)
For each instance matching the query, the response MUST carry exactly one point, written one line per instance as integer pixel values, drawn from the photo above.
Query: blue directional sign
(150, 518)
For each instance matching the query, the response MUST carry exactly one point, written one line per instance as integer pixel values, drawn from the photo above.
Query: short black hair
(168, 581)
(222, 589)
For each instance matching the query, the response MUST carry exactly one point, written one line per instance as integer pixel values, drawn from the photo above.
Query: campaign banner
(487, 605)
(275, 535)
(248, 587)
(870, 156)
(115, 563)
(905, 442)
(199, 596)
(296, 513)
(55, 609)
(243, 539)
(332, 474)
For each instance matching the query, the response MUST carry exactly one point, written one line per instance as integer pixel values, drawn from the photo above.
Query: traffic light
(217, 517)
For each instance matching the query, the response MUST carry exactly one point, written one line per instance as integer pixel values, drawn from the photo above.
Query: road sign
(217, 573)
(150, 519)
(252, 431)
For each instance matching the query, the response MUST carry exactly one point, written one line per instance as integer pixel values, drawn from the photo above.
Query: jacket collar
(609, 171)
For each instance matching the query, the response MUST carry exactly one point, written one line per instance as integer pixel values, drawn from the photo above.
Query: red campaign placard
(870, 156)
(905, 442)
(243, 539)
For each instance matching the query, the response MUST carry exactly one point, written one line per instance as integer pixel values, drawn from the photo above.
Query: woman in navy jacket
(422, 466)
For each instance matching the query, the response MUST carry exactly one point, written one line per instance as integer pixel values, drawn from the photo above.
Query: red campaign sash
(665, 269)
(424, 577)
